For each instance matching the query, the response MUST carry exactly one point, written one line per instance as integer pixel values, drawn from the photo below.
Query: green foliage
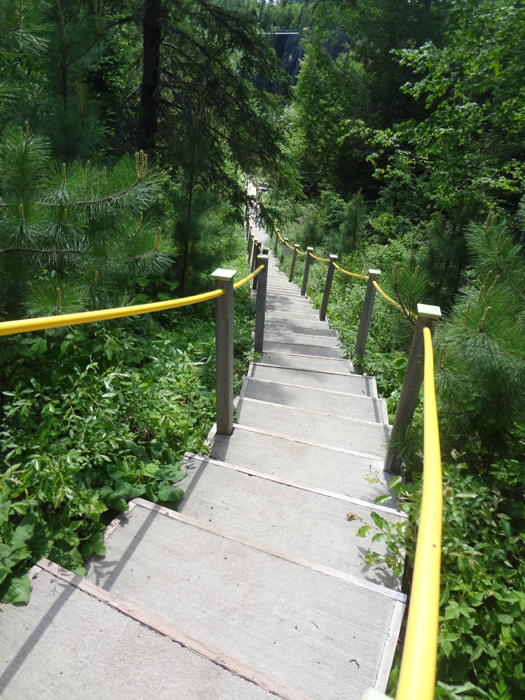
(48, 52)
(481, 632)
(72, 237)
(99, 416)
(481, 382)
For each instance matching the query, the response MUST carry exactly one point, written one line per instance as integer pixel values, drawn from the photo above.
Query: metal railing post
(260, 303)
(327, 288)
(366, 314)
(285, 247)
(306, 271)
(426, 317)
(294, 258)
(276, 240)
(224, 350)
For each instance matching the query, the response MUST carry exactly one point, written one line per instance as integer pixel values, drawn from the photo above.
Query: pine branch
(14, 249)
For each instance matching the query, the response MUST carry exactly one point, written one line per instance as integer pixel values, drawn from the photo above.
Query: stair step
(296, 620)
(303, 349)
(332, 402)
(350, 384)
(301, 327)
(282, 358)
(283, 316)
(66, 643)
(297, 520)
(294, 338)
(314, 466)
(323, 429)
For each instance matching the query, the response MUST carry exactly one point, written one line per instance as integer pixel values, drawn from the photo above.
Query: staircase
(256, 587)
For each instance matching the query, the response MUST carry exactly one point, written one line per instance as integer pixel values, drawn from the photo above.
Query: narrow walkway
(259, 578)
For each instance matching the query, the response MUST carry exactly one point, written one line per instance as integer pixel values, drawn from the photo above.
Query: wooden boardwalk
(256, 587)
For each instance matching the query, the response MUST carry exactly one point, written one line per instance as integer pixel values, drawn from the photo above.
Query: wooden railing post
(366, 314)
(224, 350)
(327, 288)
(426, 317)
(285, 247)
(294, 258)
(250, 244)
(306, 271)
(276, 241)
(260, 303)
(264, 251)
(247, 219)
(255, 252)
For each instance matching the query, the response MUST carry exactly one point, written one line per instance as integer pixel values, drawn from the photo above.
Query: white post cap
(225, 275)
(428, 311)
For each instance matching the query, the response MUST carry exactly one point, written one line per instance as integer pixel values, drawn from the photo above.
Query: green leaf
(363, 531)
(170, 494)
(16, 589)
(380, 500)
(31, 533)
(381, 523)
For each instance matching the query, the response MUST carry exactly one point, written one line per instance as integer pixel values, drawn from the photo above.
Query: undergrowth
(94, 416)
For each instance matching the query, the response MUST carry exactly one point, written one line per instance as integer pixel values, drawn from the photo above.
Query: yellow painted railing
(418, 668)
(38, 324)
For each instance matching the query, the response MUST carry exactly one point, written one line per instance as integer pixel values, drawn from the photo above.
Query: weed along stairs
(256, 588)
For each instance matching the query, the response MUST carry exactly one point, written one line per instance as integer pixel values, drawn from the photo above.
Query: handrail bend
(418, 667)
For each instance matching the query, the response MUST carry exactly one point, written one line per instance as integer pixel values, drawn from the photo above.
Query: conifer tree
(72, 237)
(482, 348)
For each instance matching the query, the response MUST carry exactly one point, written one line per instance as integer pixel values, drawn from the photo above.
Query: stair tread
(288, 620)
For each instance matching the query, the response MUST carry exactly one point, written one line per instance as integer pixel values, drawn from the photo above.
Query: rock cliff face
(287, 46)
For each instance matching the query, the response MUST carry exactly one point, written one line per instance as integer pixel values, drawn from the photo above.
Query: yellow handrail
(320, 259)
(394, 303)
(38, 324)
(352, 274)
(240, 283)
(418, 667)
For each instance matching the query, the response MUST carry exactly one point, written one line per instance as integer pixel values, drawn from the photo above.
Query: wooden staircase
(256, 587)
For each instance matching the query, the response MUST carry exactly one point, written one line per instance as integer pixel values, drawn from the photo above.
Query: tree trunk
(150, 73)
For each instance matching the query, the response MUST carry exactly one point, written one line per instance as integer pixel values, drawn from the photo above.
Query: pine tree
(481, 348)
(72, 237)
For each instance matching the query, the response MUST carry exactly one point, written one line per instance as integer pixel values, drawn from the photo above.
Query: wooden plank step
(318, 399)
(309, 523)
(304, 462)
(363, 385)
(280, 358)
(315, 426)
(283, 616)
(69, 643)
(313, 327)
(293, 337)
(303, 349)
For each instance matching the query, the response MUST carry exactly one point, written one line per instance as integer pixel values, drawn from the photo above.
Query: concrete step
(283, 316)
(294, 620)
(280, 358)
(294, 326)
(274, 513)
(67, 643)
(303, 349)
(317, 427)
(327, 401)
(335, 470)
(301, 338)
(292, 299)
(352, 384)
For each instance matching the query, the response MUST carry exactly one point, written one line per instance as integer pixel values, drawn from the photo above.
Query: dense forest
(126, 131)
